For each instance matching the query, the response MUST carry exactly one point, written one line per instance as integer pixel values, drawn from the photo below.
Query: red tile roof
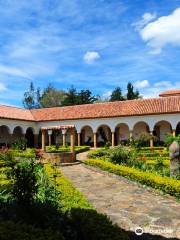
(15, 113)
(99, 110)
(174, 92)
(110, 109)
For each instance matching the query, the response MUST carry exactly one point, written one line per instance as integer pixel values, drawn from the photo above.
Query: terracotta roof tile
(173, 92)
(99, 110)
(10, 112)
(110, 109)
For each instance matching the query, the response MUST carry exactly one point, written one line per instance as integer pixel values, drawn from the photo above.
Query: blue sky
(91, 44)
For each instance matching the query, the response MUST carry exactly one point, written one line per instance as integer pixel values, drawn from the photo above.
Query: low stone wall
(59, 157)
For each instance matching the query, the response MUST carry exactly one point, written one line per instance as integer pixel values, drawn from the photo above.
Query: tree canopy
(131, 94)
(116, 95)
(53, 97)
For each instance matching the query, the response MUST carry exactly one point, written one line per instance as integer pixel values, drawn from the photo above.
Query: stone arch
(30, 137)
(161, 130)
(121, 133)
(140, 128)
(87, 135)
(178, 129)
(5, 136)
(103, 135)
(17, 133)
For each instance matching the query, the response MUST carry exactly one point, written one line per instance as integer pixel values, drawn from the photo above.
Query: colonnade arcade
(87, 134)
(122, 133)
(8, 135)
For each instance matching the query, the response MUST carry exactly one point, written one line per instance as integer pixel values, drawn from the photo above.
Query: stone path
(126, 203)
(83, 156)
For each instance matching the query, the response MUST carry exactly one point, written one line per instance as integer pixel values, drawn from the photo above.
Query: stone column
(64, 140)
(130, 135)
(112, 135)
(43, 140)
(79, 139)
(36, 140)
(174, 132)
(95, 140)
(151, 140)
(72, 140)
(49, 137)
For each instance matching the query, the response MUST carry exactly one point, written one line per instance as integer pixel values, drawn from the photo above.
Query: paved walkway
(126, 203)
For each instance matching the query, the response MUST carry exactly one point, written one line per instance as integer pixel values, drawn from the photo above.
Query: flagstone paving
(126, 203)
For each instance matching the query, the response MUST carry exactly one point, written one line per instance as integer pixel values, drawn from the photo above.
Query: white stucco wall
(151, 120)
(131, 121)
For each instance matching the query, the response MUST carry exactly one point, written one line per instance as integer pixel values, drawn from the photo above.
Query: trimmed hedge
(164, 184)
(86, 222)
(81, 149)
(70, 196)
(166, 163)
(152, 148)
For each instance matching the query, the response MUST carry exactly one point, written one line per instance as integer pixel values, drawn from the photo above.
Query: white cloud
(2, 87)
(90, 57)
(165, 30)
(146, 18)
(141, 84)
(163, 84)
(107, 95)
(158, 87)
(13, 71)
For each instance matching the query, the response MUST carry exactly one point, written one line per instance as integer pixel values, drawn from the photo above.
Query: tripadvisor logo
(138, 231)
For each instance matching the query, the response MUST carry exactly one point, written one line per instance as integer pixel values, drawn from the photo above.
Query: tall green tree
(51, 97)
(71, 97)
(116, 95)
(31, 97)
(85, 97)
(131, 94)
